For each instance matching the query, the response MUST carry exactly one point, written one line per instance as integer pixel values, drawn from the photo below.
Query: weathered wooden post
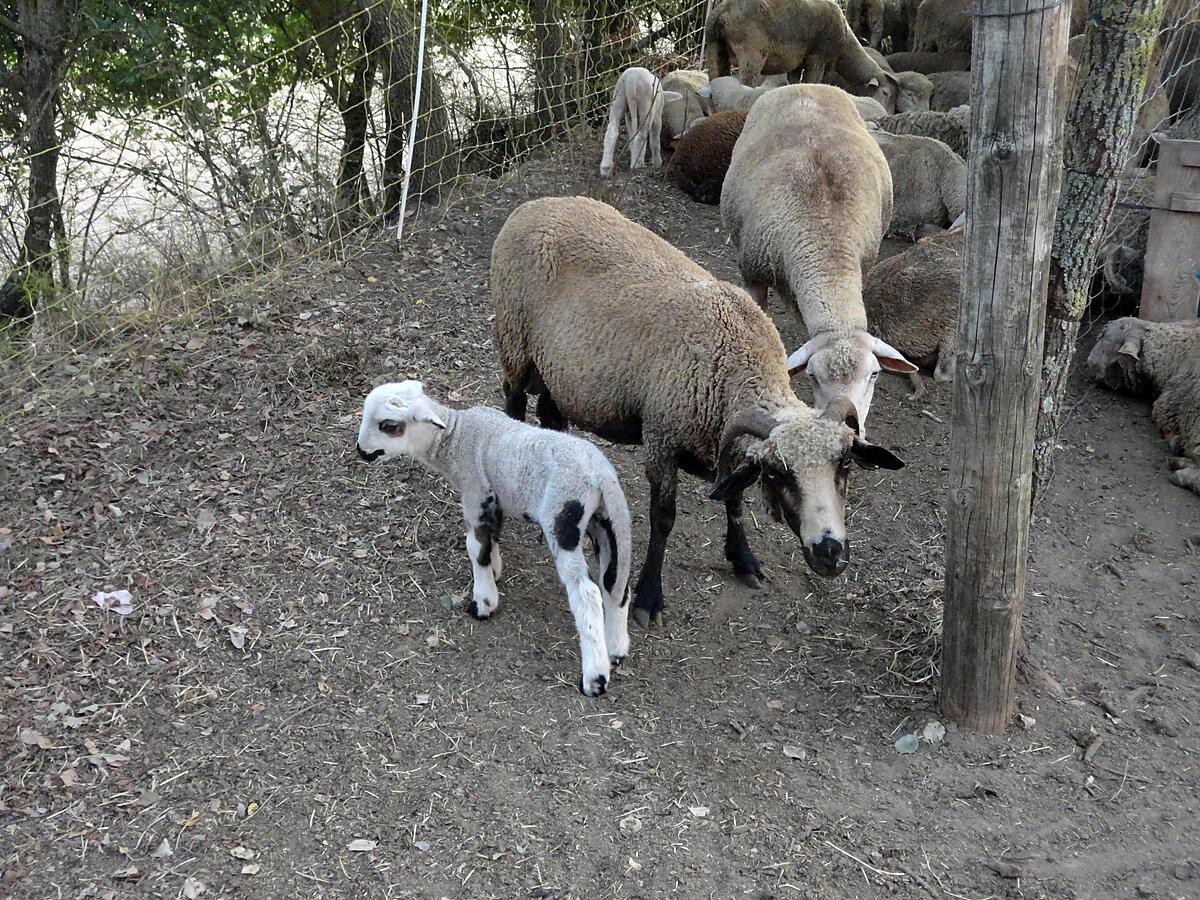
(1019, 48)
(1170, 289)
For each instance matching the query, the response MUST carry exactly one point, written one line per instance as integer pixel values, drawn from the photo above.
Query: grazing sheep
(681, 114)
(912, 303)
(727, 93)
(808, 38)
(623, 335)
(1163, 360)
(930, 182)
(500, 467)
(913, 89)
(877, 20)
(942, 26)
(951, 128)
(639, 98)
(927, 62)
(702, 156)
(950, 90)
(806, 201)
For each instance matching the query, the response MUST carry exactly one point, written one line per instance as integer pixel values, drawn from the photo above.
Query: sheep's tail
(716, 51)
(619, 528)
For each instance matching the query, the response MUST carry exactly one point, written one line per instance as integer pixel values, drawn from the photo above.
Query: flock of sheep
(619, 333)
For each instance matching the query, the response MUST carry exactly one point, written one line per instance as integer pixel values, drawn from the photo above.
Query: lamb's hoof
(476, 613)
(749, 579)
(641, 616)
(615, 661)
(595, 687)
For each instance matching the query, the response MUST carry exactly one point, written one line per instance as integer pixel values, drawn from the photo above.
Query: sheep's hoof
(749, 579)
(595, 687)
(657, 619)
(641, 616)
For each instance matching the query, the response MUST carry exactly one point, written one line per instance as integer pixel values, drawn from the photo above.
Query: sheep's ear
(873, 83)
(872, 456)
(798, 361)
(705, 91)
(733, 483)
(1132, 347)
(892, 359)
(671, 96)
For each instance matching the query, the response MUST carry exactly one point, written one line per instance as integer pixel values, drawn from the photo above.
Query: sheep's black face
(826, 548)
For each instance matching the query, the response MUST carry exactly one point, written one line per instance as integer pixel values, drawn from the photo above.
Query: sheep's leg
(918, 386)
(549, 415)
(616, 609)
(515, 401)
(737, 549)
(947, 363)
(759, 294)
(814, 68)
(648, 602)
(654, 132)
(586, 605)
(483, 535)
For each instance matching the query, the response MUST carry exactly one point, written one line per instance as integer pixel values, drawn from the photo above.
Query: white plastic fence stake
(412, 128)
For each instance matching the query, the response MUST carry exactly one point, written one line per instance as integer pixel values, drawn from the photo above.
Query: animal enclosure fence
(185, 207)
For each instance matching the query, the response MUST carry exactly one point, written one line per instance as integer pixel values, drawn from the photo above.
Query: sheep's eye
(874, 375)
(388, 426)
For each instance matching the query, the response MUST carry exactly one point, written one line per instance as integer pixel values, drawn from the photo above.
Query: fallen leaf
(361, 845)
(120, 602)
(423, 846)
(242, 853)
(205, 519)
(129, 873)
(1005, 869)
(163, 850)
(193, 888)
(794, 752)
(934, 733)
(907, 743)
(237, 636)
(422, 699)
(630, 824)
(1027, 722)
(198, 342)
(69, 777)
(251, 869)
(698, 811)
(35, 739)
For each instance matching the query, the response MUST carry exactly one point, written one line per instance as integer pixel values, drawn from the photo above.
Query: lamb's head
(846, 364)
(803, 460)
(398, 420)
(1114, 360)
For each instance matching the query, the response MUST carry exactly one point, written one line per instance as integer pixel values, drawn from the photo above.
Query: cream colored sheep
(930, 182)
(808, 38)
(679, 115)
(1163, 360)
(912, 303)
(951, 128)
(807, 199)
(950, 90)
(727, 93)
(875, 20)
(624, 336)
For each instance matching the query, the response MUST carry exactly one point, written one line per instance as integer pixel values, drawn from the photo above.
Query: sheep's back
(702, 157)
(912, 297)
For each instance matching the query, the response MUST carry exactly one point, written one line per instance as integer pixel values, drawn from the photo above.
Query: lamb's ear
(872, 456)
(892, 359)
(671, 96)
(798, 361)
(730, 484)
(431, 419)
(1132, 347)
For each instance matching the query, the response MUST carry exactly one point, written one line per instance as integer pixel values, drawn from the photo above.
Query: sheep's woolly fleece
(805, 439)
(843, 358)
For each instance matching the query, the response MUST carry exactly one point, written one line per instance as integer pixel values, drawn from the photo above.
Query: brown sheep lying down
(702, 156)
(1161, 359)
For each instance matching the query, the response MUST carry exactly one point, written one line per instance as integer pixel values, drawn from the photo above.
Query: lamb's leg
(654, 132)
(616, 608)
(648, 602)
(484, 520)
(737, 549)
(613, 131)
(586, 603)
(640, 119)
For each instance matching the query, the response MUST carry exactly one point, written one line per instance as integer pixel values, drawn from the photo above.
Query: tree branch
(24, 33)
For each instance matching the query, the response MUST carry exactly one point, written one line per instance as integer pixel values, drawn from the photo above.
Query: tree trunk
(1110, 81)
(47, 30)
(394, 36)
(1019, 54)
(549, 64)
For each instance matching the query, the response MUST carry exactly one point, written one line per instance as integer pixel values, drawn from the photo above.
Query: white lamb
(639, 98)
(500, 466)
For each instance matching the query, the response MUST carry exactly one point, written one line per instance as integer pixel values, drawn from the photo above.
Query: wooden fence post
(1019, 49)
(1170, 289)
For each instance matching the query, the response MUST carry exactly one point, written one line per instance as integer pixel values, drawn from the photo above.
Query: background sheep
(913, 90)
(928, 62)
(951, 128)
(942, 26)
(639, 98)
(878, 20)
(1162, 359)
(635, 342)
(950, 90)
(795, 37)
(912, 303)
(500, 467)
(727, 93)
(702, 156)
(679, 114)
(806, 201)
(930, 181)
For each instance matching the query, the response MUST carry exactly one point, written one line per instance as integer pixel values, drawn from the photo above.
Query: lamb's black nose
(367, 457)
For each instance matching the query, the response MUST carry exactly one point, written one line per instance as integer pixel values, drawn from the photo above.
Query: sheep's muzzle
(368, 457)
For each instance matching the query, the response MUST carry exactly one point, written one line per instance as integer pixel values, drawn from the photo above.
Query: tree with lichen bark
(1118, 44)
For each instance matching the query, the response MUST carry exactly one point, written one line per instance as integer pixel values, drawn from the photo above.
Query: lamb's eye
(874, 375)
(391, 427)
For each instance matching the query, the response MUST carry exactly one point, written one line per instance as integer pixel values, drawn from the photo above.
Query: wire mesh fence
(178, 209)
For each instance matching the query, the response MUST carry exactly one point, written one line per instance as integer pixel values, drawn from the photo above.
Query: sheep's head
(914, 91)
(398, 420)
(883, 88)
(1114, 360)
(847, 364)
(803, 462)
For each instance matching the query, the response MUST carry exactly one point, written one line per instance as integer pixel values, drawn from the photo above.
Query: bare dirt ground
(299, 706)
